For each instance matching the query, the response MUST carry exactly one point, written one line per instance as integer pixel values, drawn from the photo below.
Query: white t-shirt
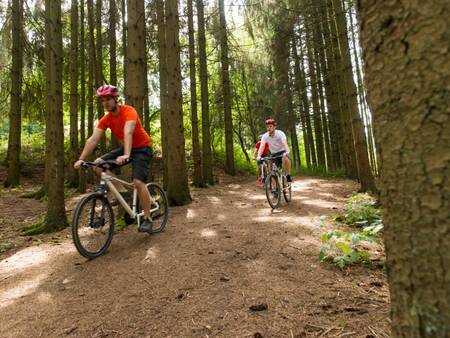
(275, 142)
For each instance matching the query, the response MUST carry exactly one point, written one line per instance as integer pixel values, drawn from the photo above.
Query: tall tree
(163, 99)
(136, 55)
(113, 54)
(206, 132)
(74, 151)
(82, 52)
(197, 180)
(365, 174)
(91, 67)
(177, 188)
(55, 218)
(15, 113)
(404, 41)
(99, 63)
(228, 119)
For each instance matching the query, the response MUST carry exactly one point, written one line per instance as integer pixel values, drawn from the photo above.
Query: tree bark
(407, 68)
(365, 174)
(177, 187)
(206, 132)
(136, 55)
(91, 64)
(197, 179)
(162, 51)
(74, 151)
(82, 174)
(15, 112)
(226, 88)
(55, 218)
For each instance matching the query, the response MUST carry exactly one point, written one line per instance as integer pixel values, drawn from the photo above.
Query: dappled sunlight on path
(223, 253)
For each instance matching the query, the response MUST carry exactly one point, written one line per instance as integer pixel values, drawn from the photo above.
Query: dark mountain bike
(93, 220)
(276, 182)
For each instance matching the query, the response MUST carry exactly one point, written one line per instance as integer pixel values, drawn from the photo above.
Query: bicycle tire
(160, 216)
(287, 191)
(273, 191)
(80, 234)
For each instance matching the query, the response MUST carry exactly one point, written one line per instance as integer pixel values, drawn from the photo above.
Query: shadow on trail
(220, 255)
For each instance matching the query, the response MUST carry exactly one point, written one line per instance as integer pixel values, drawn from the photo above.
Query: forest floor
(220, 255)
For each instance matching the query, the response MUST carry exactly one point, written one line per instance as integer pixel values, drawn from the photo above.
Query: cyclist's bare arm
(261, 148)
(286, 147)
(90, 145)
(128, 131)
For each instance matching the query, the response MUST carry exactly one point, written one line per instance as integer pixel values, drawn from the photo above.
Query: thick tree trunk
(177, 187)
(74, 151)
(55, 218)
(407, 72)
(136, 55)
(228, 119)
(206, 132)
(15, 113)
(197, 179)
(124, 48)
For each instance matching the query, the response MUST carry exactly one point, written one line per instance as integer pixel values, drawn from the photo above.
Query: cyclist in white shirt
(277, 145)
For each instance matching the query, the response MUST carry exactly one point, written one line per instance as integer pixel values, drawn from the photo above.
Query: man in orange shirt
(125, 125)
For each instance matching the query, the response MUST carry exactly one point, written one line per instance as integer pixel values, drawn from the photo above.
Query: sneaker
(259, 181)
(289, 179)
(145, 226)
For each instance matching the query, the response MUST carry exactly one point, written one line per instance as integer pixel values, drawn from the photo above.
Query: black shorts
(141, 160)
(279, 161)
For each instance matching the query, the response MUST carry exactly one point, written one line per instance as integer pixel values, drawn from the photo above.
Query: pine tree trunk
(318, 133)
(15, 114)
(303, 99)
(197, 180)
(206, 132)
(99, 65)
(82, 173)
(113, 54)
(91, 66)
(228, 119)
(74, 151)
(407, 71)
(124, 49)
(362, 158)
(136, 55)
(177, 187)
(55, 218)
(162, 51)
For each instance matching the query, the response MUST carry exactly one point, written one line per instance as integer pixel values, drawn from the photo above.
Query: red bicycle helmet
(107, 90)
(271, 121)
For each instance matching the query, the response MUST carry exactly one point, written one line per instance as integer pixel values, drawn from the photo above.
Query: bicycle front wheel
(287, 190)
(93, 225)
(273, 191)
(161, 214)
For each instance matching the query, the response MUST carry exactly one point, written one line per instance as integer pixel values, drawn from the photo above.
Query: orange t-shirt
(117, 124)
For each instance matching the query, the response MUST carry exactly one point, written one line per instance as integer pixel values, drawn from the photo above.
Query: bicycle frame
(107, 180)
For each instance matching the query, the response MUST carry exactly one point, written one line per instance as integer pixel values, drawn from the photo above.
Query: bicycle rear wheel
(287, 190)
(93, 225)
(161, 215)
(273, 191)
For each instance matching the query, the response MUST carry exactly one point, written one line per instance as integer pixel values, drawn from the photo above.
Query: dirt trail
(218, 256)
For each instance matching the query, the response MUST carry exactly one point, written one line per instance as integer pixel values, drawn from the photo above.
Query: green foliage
(344, 248)
(120, 224)
(360, 211)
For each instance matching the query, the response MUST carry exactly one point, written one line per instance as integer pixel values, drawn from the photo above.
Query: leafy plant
(360, 211)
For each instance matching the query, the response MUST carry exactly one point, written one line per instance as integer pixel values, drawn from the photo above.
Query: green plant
(360, 211)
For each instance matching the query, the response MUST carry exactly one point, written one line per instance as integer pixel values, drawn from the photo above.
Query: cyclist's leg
(141, 165)
(287, 167)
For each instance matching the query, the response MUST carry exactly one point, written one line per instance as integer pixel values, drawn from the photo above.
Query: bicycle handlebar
(108, 164)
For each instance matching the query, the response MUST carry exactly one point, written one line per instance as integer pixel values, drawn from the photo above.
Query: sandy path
(218, 256)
